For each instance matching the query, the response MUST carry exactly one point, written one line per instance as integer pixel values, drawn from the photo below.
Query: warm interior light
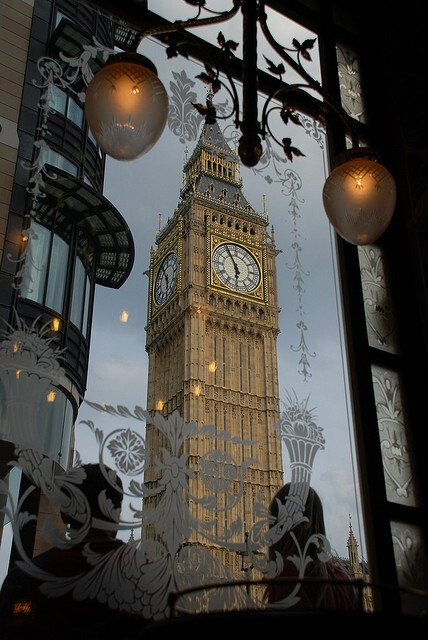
(55, 324)
(50, 397)
(212, 367)
(159, 405)
(197, 390)
(124, 316)
(126, 106)
(22, 607)
(359, 199)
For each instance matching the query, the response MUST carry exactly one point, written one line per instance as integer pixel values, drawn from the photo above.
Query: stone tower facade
(212, 329)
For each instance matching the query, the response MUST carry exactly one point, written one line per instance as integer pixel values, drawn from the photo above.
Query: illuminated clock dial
(166, 278)
(236, 267)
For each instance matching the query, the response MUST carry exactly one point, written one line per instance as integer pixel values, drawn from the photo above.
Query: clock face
(166, 278)
(236, 267)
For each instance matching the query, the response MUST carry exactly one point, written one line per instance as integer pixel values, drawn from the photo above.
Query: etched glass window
(219, 478)
(411, 561)
(396, 453)
(378, 303)
(350, 82)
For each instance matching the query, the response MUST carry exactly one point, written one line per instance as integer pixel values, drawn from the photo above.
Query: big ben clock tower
(213, 323)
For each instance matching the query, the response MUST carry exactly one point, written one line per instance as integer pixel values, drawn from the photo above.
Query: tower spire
(352, 544)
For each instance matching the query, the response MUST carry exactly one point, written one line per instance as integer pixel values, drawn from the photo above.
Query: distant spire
(159, 223)
(352, 544)
(264, 204)
(352, 541)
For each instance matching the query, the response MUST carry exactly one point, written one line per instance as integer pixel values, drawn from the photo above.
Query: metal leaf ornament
(303, 48)
(210, 78)
(288, 113)
(289, 150)
(277, 69)
(172, 52)
(208, 111)
(227, 46)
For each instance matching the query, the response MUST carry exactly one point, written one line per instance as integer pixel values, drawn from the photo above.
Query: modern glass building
(60, 236)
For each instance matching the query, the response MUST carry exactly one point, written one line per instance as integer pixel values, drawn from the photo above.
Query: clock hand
(234, 263)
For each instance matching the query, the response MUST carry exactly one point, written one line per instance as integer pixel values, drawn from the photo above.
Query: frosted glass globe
(359, 199)
(126, 106)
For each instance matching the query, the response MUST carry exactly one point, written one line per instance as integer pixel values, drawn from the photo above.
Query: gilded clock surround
(215, 239)
(173, 244)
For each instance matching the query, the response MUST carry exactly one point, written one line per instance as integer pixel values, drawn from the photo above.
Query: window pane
(57, 99)
(57, 275)
(86, 307)
(49, 156)
(54, 420)
(63, 163)
(77, 302)
(35, 270)
(75, 112)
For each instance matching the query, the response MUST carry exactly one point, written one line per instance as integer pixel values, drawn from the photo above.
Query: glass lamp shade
(359, 199)
(126, 106)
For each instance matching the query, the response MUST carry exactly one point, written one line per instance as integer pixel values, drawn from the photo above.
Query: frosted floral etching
(160, 560)
(140, 576)
(399, 481)
(29, 368)
(378, 304)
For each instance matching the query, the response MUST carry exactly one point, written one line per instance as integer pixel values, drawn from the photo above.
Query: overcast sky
(148, 187)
